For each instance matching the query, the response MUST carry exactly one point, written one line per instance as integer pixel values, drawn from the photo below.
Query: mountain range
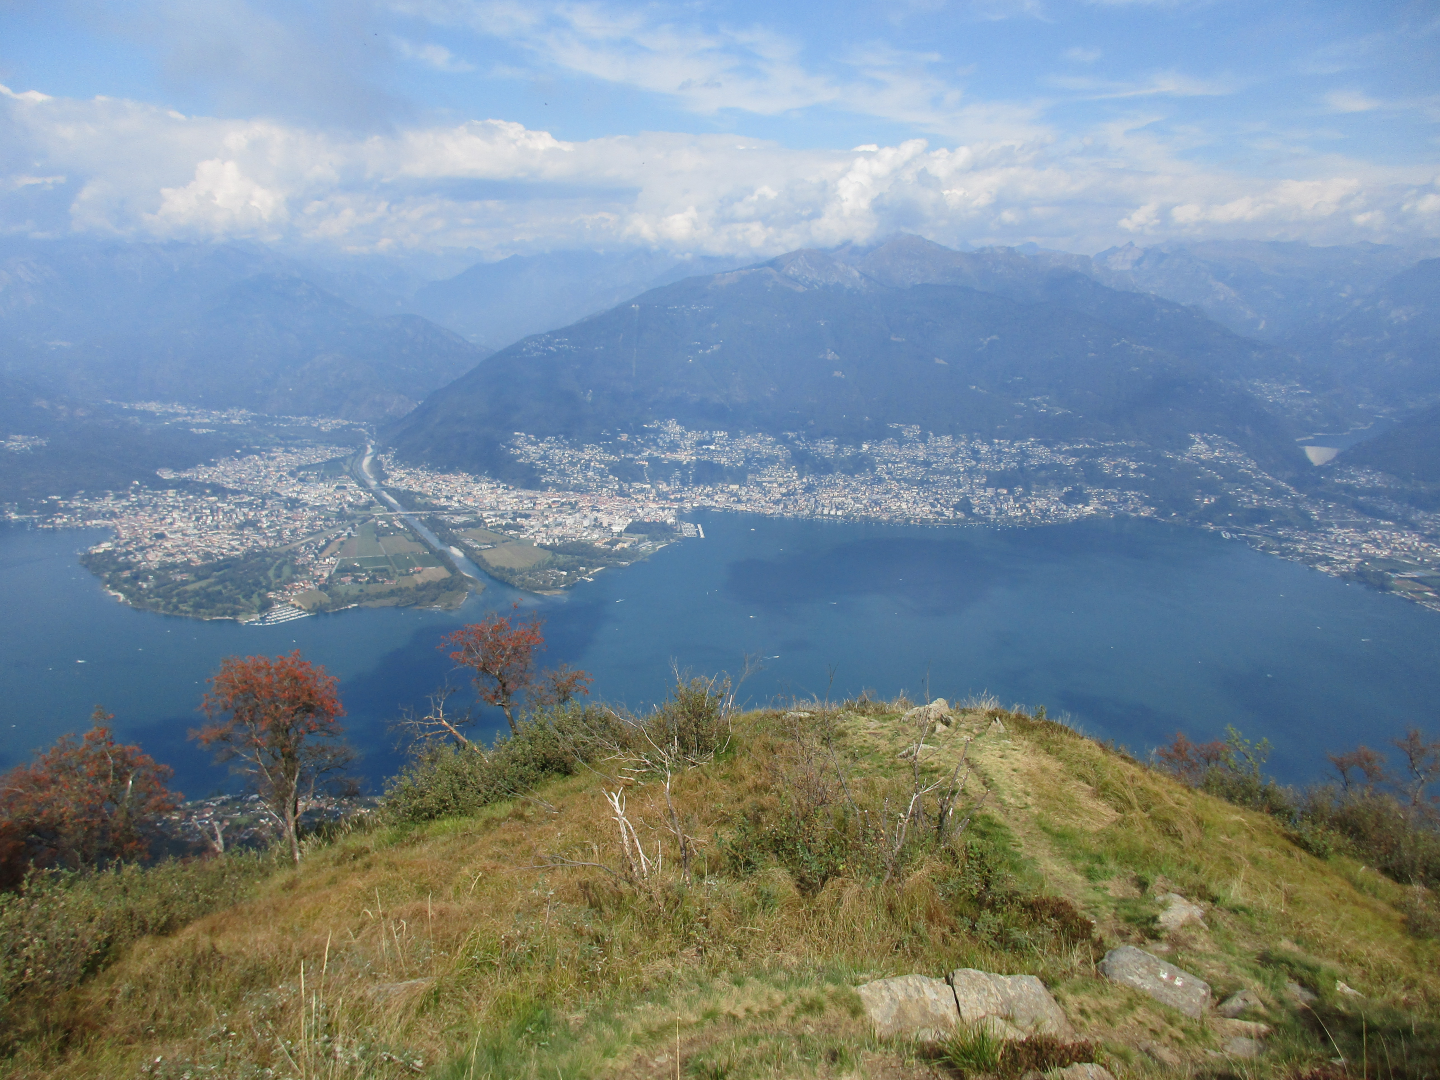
(844, 345)
(1135, 343)
(494, 304)
(217, 327)
(1271, 290)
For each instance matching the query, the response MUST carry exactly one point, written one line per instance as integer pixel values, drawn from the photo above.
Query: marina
(280, 614)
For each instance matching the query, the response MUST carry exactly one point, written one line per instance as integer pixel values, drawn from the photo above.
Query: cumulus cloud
(133, 169)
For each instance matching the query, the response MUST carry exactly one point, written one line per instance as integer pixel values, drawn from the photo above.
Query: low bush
(60, 927)
(694, 720)
(1401, 841)
(444, 779)
(1382, 819)
(977, 1051)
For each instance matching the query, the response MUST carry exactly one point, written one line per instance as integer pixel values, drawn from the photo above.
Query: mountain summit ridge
(813, 342)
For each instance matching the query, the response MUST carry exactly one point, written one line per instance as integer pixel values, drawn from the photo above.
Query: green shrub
(974, 1050)
(445, 779)
(695, 719)
(978, 1050)
(1401, 841)
(62, 926)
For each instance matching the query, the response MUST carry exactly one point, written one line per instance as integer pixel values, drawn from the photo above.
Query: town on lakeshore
(277, 532)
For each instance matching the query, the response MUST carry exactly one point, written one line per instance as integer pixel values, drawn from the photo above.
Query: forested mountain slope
(808, 342)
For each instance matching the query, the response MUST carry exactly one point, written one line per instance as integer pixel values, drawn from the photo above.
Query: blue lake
(1133, 628)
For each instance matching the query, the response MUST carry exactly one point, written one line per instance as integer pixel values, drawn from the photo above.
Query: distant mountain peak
(818, 269)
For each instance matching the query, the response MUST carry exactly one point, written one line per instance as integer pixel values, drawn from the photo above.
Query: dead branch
(436, 723)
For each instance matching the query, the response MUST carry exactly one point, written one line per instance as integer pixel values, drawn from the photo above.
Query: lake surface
(1134, 628)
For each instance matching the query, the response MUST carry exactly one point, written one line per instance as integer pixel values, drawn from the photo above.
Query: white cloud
(1351, 101)
(22, 180)
(1161, 84)
(28, 95)
(436, 56)
(221, 199)
(709, 69)
(145, 171)
(1082, 56)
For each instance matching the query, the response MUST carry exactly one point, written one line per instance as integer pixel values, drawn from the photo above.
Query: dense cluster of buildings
(594, 491)
(546, 517)
(267, 503)
(204, 421)
(910, 478)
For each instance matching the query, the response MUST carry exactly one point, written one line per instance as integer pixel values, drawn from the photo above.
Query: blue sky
(423, 125)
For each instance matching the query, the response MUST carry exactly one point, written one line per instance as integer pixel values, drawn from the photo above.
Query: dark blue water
(1134, 628)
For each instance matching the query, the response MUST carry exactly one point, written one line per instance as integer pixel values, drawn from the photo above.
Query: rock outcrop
(910, 1007)
(1012, 1005)
(919, 1007)
(1179, 912)
(1301, 995)
(1164, 982)
(1239, 1003)
(937, 712)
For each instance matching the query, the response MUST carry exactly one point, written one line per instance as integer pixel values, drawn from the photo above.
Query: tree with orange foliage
(500, 654)
(560, 686)
(275, 721)
(82, 803)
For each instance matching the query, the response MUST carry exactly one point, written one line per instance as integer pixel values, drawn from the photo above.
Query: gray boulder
(1164, 982)
(1012, 1006)
(910, 1007)
(1239, 1003)
(1087, 1071)
(937, 712)
(1241, 1047)
(1299, 994)
(1179, 912)
(1250, 1029)
(911, 751)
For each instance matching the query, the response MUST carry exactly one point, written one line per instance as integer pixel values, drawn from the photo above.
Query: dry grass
(454, 949)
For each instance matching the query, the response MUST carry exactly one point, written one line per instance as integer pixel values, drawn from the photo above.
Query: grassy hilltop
(514, 936)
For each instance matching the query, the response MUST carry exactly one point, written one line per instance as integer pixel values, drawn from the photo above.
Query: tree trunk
(510, 719)
(291, 830)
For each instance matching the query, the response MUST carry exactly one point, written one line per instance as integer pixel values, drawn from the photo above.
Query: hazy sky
(719, 127)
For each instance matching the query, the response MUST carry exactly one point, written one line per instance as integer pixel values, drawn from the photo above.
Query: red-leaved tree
(500, 653)
(82, 802)
(274, 720)
(560, 686)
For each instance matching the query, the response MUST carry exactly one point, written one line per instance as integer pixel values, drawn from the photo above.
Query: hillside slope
(220, 327)
(515, 943)
(1409, 450)
(1266, 289)
(1388, 342)
(496, 304)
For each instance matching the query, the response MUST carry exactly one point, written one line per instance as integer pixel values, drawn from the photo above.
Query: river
(1133, 628)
